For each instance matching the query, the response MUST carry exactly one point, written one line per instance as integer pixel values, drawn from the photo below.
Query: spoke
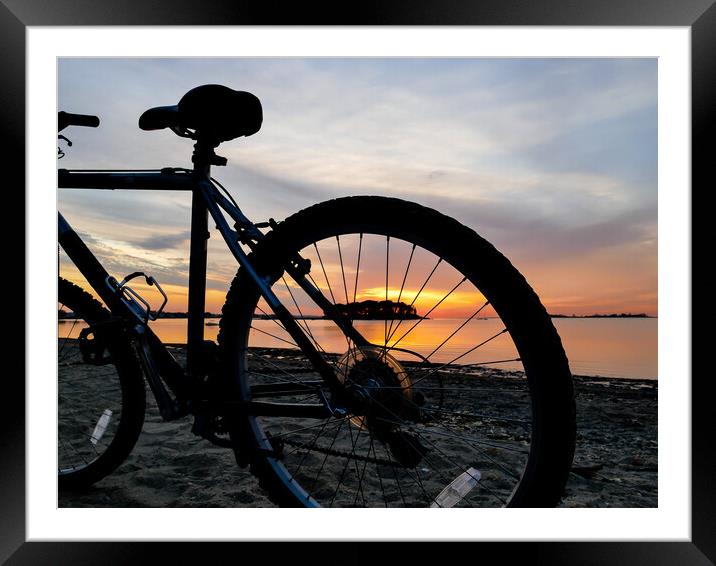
(355, 287)
(315, 283)
(463, 389)
(469, 442)
(313, 444)
(453, 436)
(422, 488)
(431, 310)
(343, 273)
(377, 469)
(473, 315)
(323, 268)
(387, 269)
(317, 344)
(309, 386)
(282, 434)
(345, 288)
(460, 356)
(343, 473)
(355, 461)
(439, 470)
(395, 474)
(460, 469)
(400, 422)
(300, 313)
(89, 377)
(328, 283)
(294, 379)
(66, 340)
(303, 396)
(480, 416)
(492, 362)
(473, 442)
(273, 336)
(276, 321)
(69, 448)
(333, 441)
(362, 475)
(402, 285)
(415, 298)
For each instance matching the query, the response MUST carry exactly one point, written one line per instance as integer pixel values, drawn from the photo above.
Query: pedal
(277, 448)
(211, 426)
(406, 448)
(210, 360)
(92, 344)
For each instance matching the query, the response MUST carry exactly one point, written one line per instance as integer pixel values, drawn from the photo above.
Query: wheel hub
(378, 392)
(378, 396)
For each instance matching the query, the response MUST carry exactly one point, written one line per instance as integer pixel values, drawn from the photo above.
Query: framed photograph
(566, 147)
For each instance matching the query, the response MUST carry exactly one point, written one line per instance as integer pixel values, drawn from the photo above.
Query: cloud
(549, 159)
(165, 241)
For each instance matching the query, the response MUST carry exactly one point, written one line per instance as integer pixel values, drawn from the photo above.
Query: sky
(554, 161)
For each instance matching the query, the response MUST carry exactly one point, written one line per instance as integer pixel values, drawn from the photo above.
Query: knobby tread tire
(133, 392)
(531, 328)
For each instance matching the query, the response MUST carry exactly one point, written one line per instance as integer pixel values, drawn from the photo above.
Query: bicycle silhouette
(334, 376)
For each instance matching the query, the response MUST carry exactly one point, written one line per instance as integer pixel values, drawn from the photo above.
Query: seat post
(204, 156)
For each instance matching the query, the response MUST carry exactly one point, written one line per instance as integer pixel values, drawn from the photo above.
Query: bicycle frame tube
(207, 191)
(197, 284)
(101, 282)
(207, 199)
(92, 270)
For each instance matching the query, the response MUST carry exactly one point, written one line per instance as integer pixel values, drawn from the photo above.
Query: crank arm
(170, 409)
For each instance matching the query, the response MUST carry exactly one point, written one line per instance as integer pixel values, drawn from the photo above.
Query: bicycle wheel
(463, 398)
(101, 394)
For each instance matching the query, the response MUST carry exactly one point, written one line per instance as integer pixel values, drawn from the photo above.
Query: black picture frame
(698, 15)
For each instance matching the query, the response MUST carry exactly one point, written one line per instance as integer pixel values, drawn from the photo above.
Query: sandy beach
(615, 463)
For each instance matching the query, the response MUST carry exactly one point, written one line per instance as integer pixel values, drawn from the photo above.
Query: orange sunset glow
(551, 160)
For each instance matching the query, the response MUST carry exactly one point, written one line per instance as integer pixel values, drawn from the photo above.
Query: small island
(377, 310)
(362, 310)
(611, 315)
(184, 315)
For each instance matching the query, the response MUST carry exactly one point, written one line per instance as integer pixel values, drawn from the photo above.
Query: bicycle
(402, 417)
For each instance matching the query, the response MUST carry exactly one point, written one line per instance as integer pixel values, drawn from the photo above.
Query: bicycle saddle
(214, 112)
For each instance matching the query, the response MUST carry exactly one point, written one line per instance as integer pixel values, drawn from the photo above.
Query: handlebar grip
(65, 119)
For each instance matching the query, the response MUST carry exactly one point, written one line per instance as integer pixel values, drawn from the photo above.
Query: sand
(615, 463)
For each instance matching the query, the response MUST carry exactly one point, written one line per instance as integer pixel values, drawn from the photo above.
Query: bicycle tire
(549, 383)
(90, 445)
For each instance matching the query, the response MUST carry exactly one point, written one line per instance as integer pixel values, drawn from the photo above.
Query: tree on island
(610, 315)
(377, 310)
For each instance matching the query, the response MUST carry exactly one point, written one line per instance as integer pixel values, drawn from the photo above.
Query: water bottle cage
(141, 307)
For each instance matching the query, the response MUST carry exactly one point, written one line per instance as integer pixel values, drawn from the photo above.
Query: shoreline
(615, 461)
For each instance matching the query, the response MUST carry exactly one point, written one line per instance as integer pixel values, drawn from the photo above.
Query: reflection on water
(606, 347)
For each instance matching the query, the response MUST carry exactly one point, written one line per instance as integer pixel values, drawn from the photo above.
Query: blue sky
(552, 160)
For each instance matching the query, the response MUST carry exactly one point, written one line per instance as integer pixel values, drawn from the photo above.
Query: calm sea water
(605, 347)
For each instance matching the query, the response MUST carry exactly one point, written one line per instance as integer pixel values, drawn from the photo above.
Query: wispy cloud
(165, 241)
(553, 160)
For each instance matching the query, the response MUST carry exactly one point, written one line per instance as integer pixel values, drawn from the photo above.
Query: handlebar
(65, 119)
